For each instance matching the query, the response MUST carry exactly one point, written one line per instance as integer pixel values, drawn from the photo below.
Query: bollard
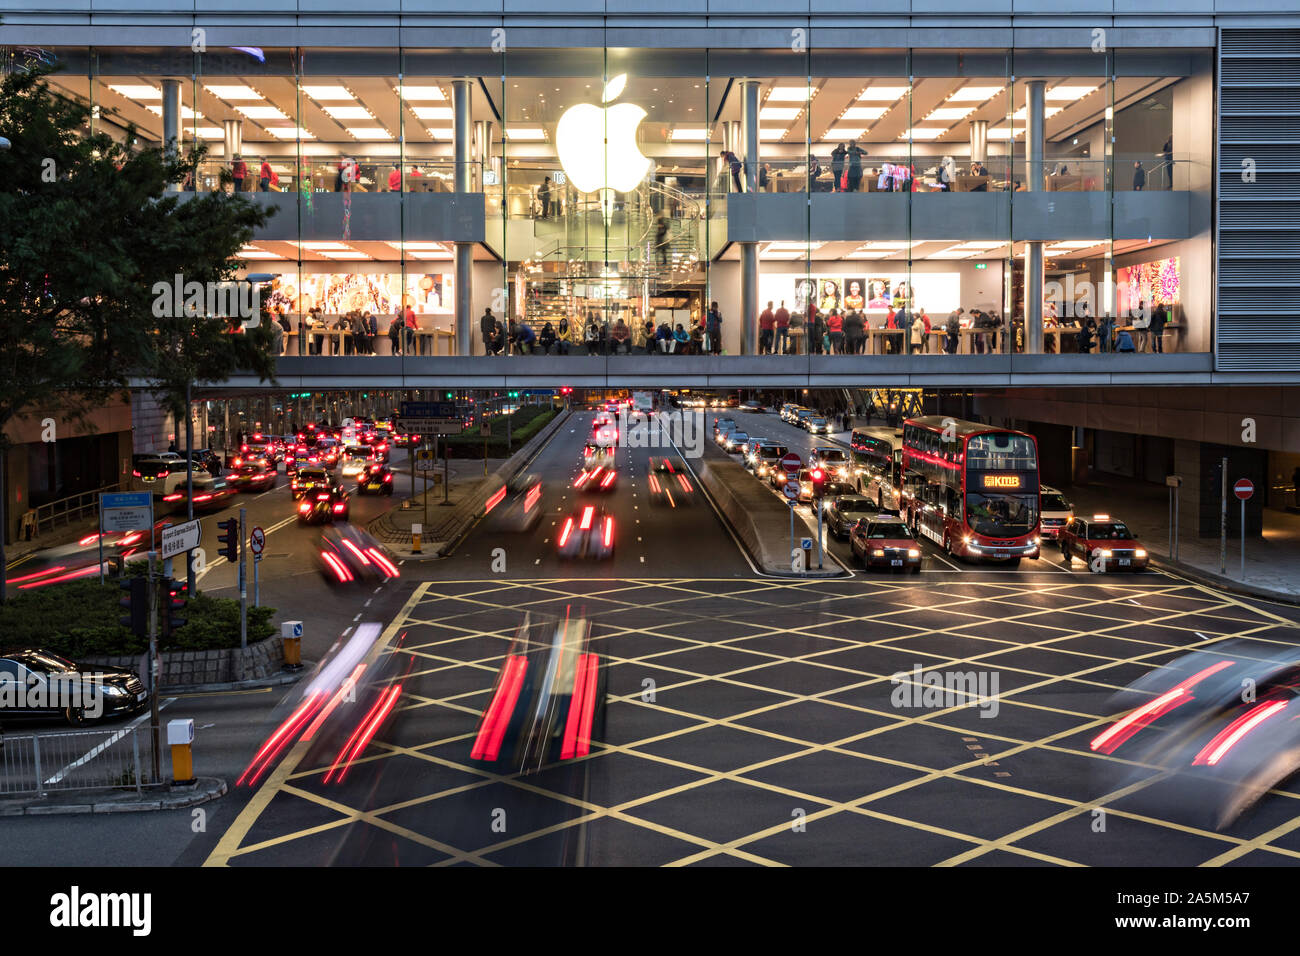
(416, 530)
(291, 640)
(806, 543)
(180, 737)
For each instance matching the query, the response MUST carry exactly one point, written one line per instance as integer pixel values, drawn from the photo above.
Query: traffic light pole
(155, 671)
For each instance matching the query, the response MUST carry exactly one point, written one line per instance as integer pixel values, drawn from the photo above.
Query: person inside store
(546, 339)
(239, 170)
(412, 327)
(312, 323)
(817, 338)
(664, 338)
(798, 330)
(1159, 319)
(341, 344)
(835, 329)
(764, 176)
(661, 240)
(395, 180)
(697, 339)
(591, 334)
(648, 336)
(395, 334)
(838, 155)
(1139, 176)
(362, 334)
(902, 322)
(737, 168)
(265, 176)
(766, 330)
(977, 169)
(952, 332)
(498, 337)
(525, 338)
(487, 327)
(681, 340)
(714, 329)
(620, 337)
(544, 197)
(1087, 333)
(781, 343)
(854, 173)
(562, 337)
(854, 333)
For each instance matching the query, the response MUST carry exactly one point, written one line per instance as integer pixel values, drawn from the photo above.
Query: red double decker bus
(972, 489)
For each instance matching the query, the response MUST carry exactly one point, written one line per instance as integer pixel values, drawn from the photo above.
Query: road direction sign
(257, 540)
(433, 426)
(791, 462)
(1244, 488)
(806, 543)
(126, 511)
(791, 489)
(181, 537)
(424, 460)
(427, 410)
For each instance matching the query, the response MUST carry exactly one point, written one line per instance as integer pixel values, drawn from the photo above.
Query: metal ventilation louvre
(1258, 242)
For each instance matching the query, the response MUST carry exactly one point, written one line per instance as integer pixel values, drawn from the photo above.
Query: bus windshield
(1001, 452)
(1002, 516)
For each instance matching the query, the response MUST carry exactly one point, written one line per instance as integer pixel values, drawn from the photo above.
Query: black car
(323, 505)
(38, 683)
(375, 479)
(843, 510)
(309, 478)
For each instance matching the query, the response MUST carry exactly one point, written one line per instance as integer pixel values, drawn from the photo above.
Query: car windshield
(834, 456)
(311, 474)
(772, 451)
(1054, 502)
(817, 421)
(891, 530)
(739, 437)
(359, 451)
(857, 506)
(1115, 530)
(1001, 516)
(44, 662)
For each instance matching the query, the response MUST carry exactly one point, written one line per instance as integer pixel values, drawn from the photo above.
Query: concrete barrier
(760, 519)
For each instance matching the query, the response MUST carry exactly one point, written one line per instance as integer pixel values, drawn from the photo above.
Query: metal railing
(77, 760)
(70, 509)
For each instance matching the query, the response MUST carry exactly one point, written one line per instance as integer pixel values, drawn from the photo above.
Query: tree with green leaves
(88, 227)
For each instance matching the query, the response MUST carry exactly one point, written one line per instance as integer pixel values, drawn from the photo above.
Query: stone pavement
(170, 797)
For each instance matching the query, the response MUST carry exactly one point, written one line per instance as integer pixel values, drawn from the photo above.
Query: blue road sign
(429, 410)
(126, 499)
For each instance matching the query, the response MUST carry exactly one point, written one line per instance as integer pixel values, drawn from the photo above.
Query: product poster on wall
(935, 292)
(341, 292)
(1147, 283)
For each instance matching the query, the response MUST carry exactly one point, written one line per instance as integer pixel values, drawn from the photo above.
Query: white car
(1055, 512)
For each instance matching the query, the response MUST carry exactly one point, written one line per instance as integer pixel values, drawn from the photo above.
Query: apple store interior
(628, 189)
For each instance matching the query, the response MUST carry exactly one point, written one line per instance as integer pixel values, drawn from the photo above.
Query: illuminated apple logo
(620, 166)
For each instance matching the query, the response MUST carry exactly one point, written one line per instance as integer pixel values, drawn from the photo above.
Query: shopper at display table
(854, 332)
(782, 321)
(766, 330)
(835, 328)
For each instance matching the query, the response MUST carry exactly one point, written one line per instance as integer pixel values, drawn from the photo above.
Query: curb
(1231, 585)
(203, 790)
(277, 681)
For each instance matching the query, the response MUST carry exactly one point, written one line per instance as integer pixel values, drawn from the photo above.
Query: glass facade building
(602, 183)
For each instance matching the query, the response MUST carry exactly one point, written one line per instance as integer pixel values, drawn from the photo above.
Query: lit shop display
(875, 293)
(1148, 282)
(337, 293)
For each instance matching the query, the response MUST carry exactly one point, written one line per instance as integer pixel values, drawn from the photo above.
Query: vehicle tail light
(686, 485)
(568, 530)
(304, 507)
(361, 556)
(588, 513)
(322, 497)
(338, 508)
(1230, 736)
(581, 479)
(203, 498)
(608, 479)
(1126, 727)
(388, 477)
(383, 562)
(339, 568)
(495, 499)
(132, 538)
(609, 531)
(172, 497)
(135, 474)
(654, 484)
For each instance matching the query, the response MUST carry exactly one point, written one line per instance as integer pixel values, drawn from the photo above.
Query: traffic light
(137, 605)
(819, 482)
(174, 602)
(229, 539)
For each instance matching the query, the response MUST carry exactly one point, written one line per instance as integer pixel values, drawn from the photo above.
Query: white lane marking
(538, 561)
(367, 604)
(349, 628)
(96, 751)
(357, 618)
(643, 559)
(402, 562)
(377, 590)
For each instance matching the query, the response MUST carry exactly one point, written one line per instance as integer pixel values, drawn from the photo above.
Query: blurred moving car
(376, 478)
(1215, 749)
(597, 478)
(323, 505)
(734, 442)
(355, 458)
(587, 533)
(350, 555)
(597, 456)
(548, 702)
(210, 494)
(1104, 543)
(44, 684)
(517, 505)
(261, 446)
(255, 475)
(815, 425)
(844, 511)
(885, 541)
(670, 483)
(835, 462)
(767, 457)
